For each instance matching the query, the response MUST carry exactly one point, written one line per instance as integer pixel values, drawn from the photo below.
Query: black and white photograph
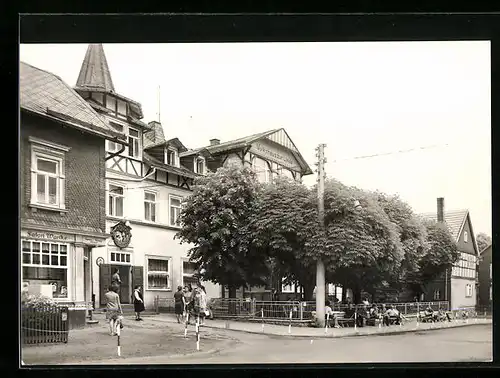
(255, 203)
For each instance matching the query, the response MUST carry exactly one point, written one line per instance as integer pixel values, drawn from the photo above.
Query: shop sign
(49, 236)
(93, 241)
(282, 157)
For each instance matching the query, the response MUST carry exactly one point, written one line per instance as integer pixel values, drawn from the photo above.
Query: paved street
(464, 344)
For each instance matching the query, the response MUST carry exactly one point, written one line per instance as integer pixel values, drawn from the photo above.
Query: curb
(330, 336)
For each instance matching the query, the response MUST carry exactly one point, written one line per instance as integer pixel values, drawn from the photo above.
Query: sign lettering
(48, 235)
(281, 157)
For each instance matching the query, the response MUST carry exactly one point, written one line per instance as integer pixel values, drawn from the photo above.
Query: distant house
(458, 285)
(485, 290)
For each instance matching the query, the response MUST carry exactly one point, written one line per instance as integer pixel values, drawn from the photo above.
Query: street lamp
(320, 273)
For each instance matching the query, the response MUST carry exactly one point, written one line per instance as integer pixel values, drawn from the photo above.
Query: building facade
(145, 183)
(62, 180)
(485, 272)
(458, 285)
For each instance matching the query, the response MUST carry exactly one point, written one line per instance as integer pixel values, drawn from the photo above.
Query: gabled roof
(181, 171)
(278, 136)
(94, 73)
(486, 248)
(46, 94)
(455, 220)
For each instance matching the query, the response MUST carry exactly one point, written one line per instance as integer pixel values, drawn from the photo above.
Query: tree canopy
(483, 240)
(243, 232)
(214, 220)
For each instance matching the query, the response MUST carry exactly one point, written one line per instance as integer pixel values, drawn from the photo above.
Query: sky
(359, 98)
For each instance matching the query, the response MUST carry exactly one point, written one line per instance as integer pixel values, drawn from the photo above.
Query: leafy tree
(483, 241)
(360, 247)
(440, 256)
(214, 220)
(413, 237)
(285, 219)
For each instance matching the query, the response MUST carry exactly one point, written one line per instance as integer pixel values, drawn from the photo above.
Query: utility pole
(320, 266)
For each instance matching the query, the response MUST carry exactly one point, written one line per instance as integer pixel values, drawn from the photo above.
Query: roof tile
(42, 91)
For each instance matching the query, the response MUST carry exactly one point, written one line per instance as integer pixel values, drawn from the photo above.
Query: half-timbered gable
(270, 154)
(458, 285)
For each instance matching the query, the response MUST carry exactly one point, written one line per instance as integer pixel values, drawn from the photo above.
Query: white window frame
(169, 272)
(170, 197)
(136, 143)
(267, 171)
(437, 295)
(150, 204)
(203, 165)
(466, 237)
(120, 252)
(41, 149)
(109, 194)
(176, 156)
(67, 266)
(185, 275)
(110, 145)
(468, 290)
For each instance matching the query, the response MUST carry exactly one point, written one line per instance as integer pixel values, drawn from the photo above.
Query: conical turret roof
(95, 74)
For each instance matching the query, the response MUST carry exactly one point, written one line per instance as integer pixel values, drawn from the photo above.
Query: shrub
(38, 311)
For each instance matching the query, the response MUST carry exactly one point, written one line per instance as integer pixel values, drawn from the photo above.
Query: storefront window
(45, 264)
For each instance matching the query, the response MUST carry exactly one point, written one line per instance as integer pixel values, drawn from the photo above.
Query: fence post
(301, 311)
(253, 307)
(406, 309)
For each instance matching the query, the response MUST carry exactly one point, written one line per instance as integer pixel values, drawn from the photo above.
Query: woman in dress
(138, 303)
(180, 303)
(113, 310)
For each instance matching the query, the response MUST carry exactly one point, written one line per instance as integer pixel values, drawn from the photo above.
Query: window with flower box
(158, 273)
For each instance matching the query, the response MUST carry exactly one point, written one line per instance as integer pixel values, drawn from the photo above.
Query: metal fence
(246, 308)
(47, 324)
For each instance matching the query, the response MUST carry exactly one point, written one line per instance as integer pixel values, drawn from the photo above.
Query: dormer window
(200, 166)
(466, 237)
(171, 157)
(117, 107)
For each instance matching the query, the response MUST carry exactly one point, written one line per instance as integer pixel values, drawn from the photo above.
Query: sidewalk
(308, 332)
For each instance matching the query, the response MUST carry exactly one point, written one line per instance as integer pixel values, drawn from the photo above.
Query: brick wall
(84, 169)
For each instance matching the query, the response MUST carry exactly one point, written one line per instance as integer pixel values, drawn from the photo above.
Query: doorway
(125, 287)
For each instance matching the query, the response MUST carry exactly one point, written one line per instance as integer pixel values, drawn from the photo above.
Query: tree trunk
(232, 303)
(356, 294)
(344, 293)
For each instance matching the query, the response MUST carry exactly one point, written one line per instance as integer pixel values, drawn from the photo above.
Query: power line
(389, 153)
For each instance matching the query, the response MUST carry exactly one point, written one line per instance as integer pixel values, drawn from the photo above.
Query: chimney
(214, 142)
(440, 209)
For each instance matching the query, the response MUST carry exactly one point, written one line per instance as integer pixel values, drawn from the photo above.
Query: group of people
(387, 314)
(191, 301)
(114, 311)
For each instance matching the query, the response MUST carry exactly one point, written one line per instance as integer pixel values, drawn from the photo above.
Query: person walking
(138, 303)
(114, 311)
(201, 303)
(180, 303)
